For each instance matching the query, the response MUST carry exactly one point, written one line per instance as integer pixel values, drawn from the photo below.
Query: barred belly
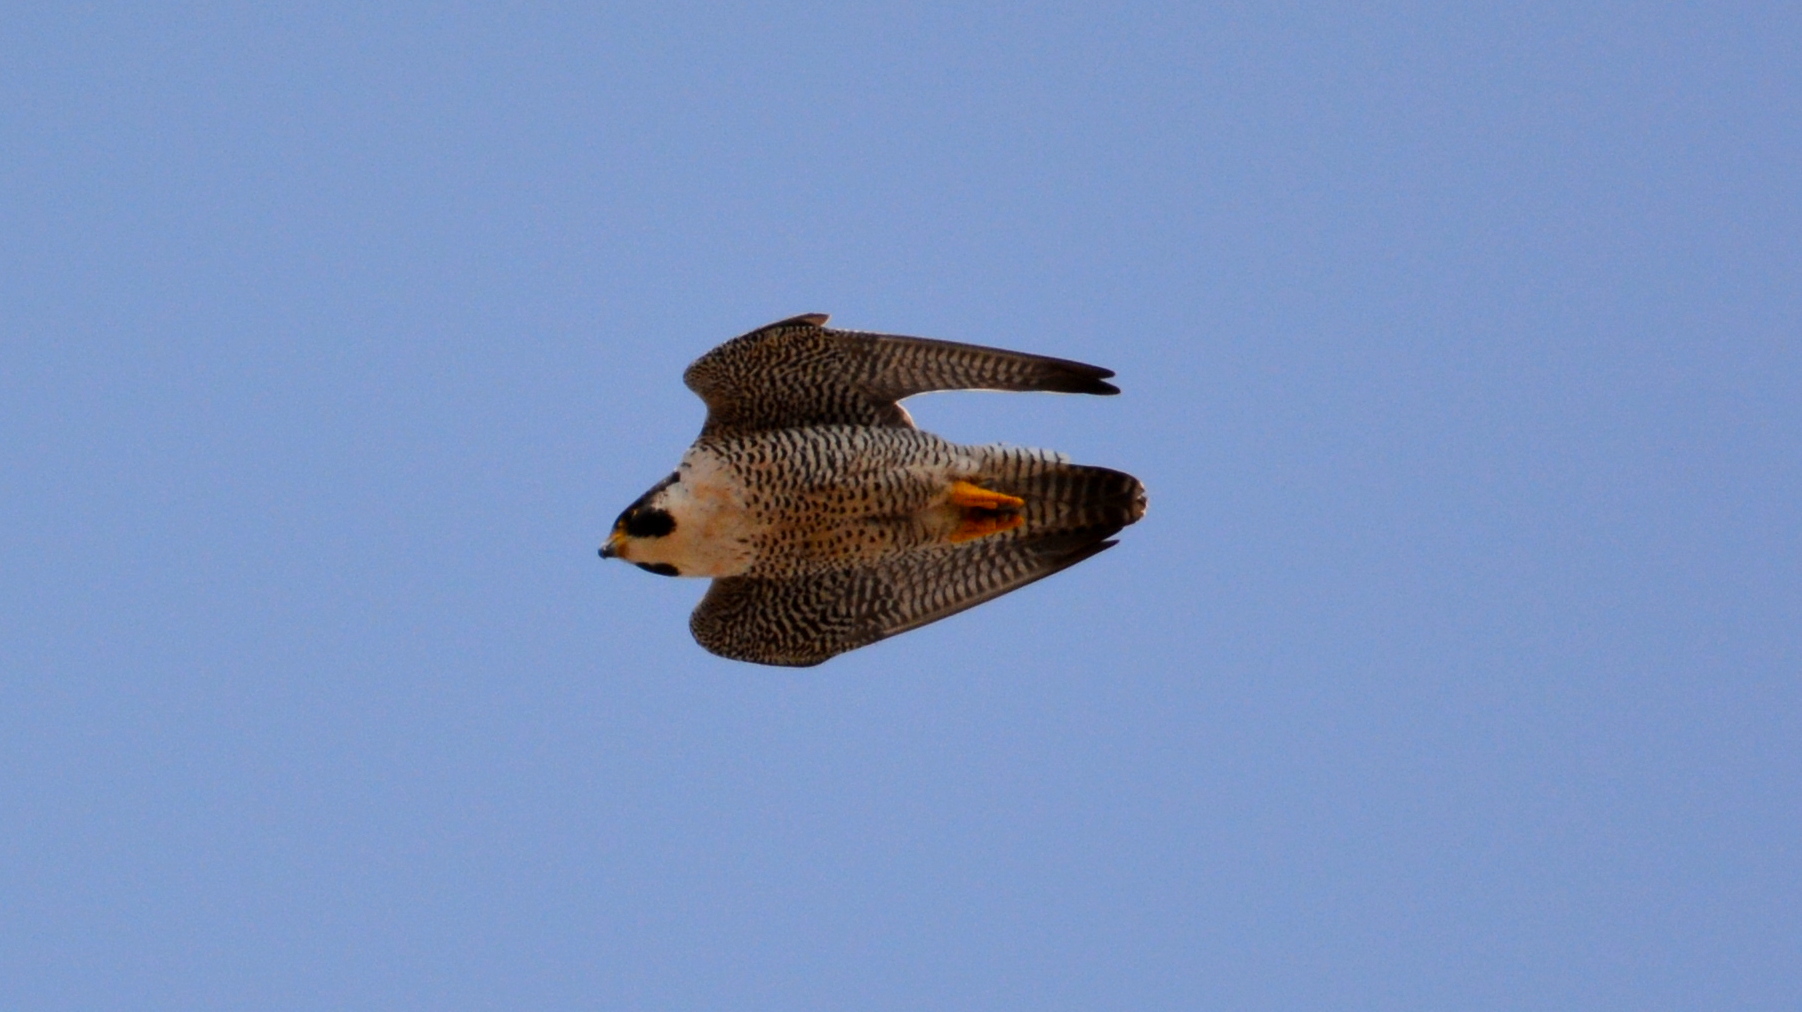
(833, 497)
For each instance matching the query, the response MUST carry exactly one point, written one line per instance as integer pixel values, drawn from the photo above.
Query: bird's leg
(982, 512)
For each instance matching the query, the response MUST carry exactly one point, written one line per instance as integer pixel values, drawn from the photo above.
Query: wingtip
(1083, 378)
(1087, 384)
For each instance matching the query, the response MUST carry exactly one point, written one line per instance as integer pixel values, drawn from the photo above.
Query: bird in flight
(827, 521)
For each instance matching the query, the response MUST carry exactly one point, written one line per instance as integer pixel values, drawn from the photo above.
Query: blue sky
(1454, 666)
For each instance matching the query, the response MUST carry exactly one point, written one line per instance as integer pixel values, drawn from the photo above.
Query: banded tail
(1065, 498)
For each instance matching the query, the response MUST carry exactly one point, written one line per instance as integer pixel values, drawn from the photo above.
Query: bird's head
(643, 533)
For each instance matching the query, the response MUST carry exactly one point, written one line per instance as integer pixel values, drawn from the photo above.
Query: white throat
(714, 533)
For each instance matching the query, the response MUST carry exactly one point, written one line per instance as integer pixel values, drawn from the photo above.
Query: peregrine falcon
(827, 521)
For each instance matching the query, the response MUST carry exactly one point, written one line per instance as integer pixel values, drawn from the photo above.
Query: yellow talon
(982, 512)
(967, 496)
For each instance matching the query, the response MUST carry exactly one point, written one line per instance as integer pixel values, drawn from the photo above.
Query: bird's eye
(648, 523)
(660, 568)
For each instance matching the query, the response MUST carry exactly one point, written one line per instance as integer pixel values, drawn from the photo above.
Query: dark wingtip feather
(1077, 549)
(1067, 548)
(1079, 378)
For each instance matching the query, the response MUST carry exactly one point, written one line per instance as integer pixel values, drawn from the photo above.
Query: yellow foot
(982, 512)
(968, 496)
(982, 523)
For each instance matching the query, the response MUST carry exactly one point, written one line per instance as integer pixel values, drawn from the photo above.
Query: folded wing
(798, 372)
(803, 621)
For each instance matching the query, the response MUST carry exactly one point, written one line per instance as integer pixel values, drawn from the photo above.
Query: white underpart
(714, 534)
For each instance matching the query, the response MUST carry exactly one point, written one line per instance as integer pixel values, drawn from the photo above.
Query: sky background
(1455, 666)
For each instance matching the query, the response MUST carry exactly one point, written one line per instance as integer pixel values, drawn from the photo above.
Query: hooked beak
(610, 550)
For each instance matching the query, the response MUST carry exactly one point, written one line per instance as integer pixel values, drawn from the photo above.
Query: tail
(1065, 498)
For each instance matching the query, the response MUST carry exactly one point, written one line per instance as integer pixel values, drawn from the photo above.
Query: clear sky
(1455, 666)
